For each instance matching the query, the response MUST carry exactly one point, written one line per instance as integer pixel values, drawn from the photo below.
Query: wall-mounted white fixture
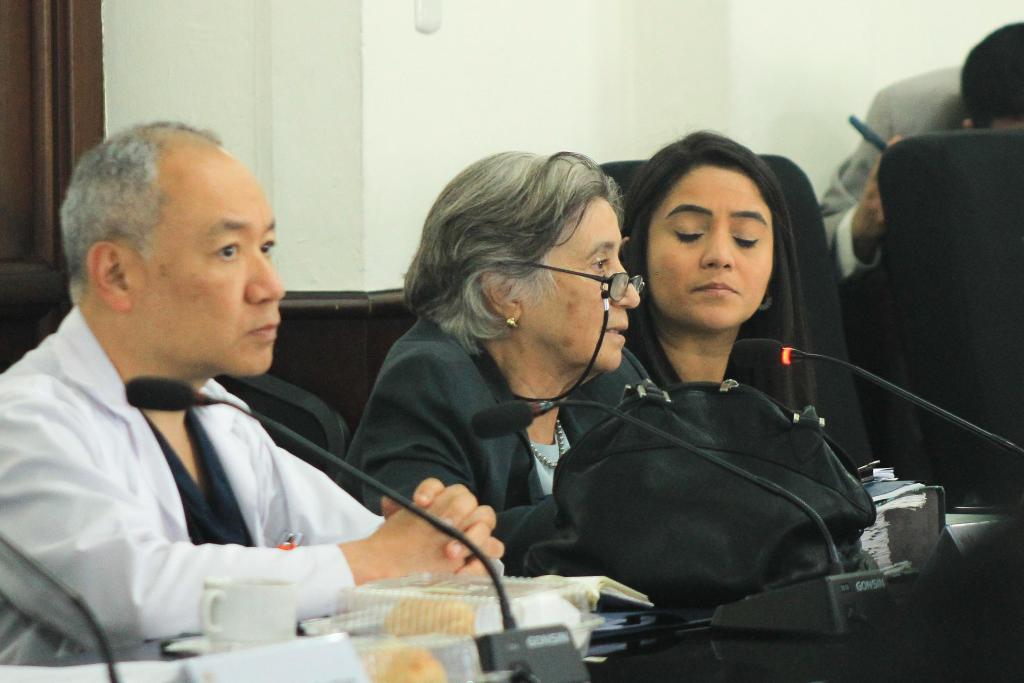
(428, 15)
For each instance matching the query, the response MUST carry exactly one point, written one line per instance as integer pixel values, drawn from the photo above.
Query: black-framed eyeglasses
(618, 283)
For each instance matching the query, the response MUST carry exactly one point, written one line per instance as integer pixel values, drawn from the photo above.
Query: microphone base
(831, 606)
(547, 653)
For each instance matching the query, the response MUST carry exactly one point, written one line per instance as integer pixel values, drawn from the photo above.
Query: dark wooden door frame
(54, 82)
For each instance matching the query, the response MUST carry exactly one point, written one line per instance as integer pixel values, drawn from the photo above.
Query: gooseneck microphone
(827, 605)
(507, 418)
(769, 353)
(512, 416)
(158, 393)
(542, 653)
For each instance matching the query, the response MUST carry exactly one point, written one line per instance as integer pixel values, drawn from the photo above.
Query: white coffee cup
(248, 610)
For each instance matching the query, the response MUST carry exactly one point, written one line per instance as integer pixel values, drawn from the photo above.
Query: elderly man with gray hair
(520, 294)
(168, 240)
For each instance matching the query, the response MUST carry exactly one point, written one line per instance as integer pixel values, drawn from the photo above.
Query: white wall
(801, 67)
(315, 117)
(534, 75)
(280, 82)
(681, 73)
(193, 61)
(354, 121)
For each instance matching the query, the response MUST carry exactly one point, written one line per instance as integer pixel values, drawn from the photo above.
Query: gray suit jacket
(922, 104)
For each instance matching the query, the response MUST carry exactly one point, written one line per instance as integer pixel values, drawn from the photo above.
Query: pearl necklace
(563, 446)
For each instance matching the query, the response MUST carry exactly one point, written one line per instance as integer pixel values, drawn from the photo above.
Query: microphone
(544, 653)
(511, 415)
(157, 393)
(771, 353)
(760, 353)
(508, 418)
(829, 604)
(29, 588)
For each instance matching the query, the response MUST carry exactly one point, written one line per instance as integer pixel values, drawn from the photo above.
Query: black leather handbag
(686, 531)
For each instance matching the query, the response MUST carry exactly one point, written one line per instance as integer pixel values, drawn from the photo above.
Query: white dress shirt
(86, 490)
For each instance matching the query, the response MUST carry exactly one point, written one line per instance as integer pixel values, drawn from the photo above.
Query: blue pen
(868, 134)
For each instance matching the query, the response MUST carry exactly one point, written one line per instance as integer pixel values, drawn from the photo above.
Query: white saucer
(191, 645)
(201, 645)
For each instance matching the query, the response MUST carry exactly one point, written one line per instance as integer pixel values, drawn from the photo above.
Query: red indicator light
(787, 355)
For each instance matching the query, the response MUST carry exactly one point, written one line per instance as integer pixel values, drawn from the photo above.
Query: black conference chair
(954, 250)
(298, 411)
(836, 394)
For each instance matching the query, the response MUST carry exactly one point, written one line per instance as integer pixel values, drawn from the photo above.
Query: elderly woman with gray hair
(520, 294)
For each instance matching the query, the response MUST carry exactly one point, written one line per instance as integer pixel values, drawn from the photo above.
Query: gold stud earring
(511, 323)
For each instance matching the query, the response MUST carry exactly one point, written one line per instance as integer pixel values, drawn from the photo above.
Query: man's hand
(868, 226)
(405, 544)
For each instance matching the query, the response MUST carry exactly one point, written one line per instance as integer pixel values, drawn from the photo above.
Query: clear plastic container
(457, 606)
(369, 622)
(423, 659)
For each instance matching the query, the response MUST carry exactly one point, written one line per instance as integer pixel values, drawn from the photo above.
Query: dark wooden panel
(34, 284)
(78, 79)
(16, 131)
(389, 320)
(45, 136)
(333, 343)
(23, 326)
(51, 106)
